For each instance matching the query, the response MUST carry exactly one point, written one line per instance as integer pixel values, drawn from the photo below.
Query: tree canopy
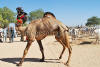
(93, 21)
(36, 14)
(6, 16)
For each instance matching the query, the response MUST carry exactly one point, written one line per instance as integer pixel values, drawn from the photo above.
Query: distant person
(1, 31)
(12, 32)
(13, 25)
(5, 33)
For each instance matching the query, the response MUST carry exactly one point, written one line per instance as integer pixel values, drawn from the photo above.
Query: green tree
(6, 16)
(1, 19)
(36, 14)
(93, 21)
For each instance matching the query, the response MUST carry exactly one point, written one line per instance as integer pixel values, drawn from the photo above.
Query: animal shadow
(85, 42)
(16, 60)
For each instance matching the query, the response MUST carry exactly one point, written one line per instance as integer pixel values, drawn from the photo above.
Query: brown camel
(40, 28)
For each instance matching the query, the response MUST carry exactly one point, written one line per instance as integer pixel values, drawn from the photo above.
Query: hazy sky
(70, 12)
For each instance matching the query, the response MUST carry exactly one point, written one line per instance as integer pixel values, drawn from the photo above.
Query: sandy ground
(84, 55)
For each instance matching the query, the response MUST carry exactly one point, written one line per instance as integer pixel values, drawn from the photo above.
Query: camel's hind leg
(62, 45)
(67, 44)
(25, 52)
(65, 40)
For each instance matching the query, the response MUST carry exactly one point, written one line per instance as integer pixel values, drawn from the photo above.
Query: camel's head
(19, 10)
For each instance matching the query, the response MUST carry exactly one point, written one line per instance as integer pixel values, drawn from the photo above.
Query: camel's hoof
(66, 64)
(19, 64)
(59, 58)
(41, 60)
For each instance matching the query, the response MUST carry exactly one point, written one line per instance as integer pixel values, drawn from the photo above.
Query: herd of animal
(85, 32)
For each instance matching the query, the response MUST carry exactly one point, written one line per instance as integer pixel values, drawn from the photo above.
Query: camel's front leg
(25, 52)
(41, 49)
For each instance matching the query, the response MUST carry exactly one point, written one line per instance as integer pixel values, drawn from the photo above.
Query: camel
(40, 28)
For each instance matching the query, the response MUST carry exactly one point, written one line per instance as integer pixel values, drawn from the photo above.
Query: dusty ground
(83, 55)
